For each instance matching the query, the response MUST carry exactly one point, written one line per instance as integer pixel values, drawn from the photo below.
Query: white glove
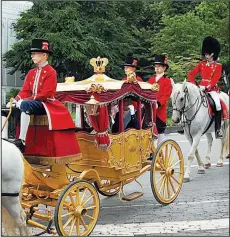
(202, 88)
(131, 109)
(18, 104)
(13, 103)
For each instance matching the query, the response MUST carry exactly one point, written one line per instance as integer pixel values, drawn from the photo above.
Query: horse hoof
(207, 166)
(219, 164)
(186, 180)
(201, 171)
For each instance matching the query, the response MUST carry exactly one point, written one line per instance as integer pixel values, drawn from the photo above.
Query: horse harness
(183, 109)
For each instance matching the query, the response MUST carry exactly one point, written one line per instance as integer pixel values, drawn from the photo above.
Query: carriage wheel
(77, 209)
(109, 192)
(167, 172)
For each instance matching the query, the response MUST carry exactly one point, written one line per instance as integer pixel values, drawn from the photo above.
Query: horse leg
(223, 140)
(201, 169)
(13, 206)
(190, 160)
(207, 158)
(194, 144)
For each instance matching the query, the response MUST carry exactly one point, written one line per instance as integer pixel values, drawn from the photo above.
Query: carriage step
(132, 196)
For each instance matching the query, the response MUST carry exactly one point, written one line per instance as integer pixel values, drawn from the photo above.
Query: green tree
(182, 35)
(78, 31)
(11, 94)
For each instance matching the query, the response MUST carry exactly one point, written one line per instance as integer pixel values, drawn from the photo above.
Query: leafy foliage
(11, 94)
(80, 30)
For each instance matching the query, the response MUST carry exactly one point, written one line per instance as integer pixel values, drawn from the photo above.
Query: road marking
(184, 141)
(172, 204)
(213, 164)
(161, 227)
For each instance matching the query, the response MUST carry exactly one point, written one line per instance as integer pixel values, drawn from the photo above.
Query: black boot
(20, 144)
(219, 133)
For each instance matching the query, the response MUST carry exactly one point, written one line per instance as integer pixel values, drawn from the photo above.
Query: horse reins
(183, 109)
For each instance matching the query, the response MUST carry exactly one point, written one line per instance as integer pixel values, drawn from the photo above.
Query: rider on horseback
(210, 72)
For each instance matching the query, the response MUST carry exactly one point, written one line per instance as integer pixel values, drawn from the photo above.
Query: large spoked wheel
(167, 172)
(77, 209)
(108, 192)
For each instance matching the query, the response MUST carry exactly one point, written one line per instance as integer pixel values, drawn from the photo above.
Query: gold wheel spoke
(159, 171)
(165, 186)
(162, 156)
(83, 195)
(175, 164)
(71, 227)
(168, 188)
(67, 214)
(77, 196)
(162, 184)
(171, 161)
(162, 176)
(90, 217)
(175, 180)
(170, 151)
(72, 200)
(166, 156)
(78, 226)
(83, 222)
(91, 207)
(87, 200)
(68, 221)
(162, 167)
(174, 190)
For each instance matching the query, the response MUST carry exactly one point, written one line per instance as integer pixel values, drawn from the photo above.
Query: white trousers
(216, 98)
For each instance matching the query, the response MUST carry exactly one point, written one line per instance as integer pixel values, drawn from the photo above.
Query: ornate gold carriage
(68, 186)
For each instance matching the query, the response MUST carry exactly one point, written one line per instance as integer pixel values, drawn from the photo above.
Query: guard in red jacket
(210, 72)
(37, 94)
(130, 65)
(163, 95)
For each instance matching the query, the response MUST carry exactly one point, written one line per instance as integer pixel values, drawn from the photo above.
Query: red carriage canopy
(105, 90)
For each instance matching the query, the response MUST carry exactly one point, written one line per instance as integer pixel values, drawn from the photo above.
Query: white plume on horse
(13, 216)
(191, 109)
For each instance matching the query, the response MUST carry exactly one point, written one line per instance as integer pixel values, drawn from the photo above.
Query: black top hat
(40, 45)
(130, 61)
(161, 59)
(211, 45)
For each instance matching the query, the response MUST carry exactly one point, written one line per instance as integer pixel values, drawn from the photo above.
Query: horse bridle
(183, 109)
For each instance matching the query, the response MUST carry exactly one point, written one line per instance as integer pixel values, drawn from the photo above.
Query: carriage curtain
(100, 123)
(80, 97)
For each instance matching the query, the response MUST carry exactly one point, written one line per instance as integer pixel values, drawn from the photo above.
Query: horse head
(182, 95)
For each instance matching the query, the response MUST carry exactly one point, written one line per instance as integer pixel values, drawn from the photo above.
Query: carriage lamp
(92, 106)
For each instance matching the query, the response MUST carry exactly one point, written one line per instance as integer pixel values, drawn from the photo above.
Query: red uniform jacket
(43, 90)
(138, 78)
(163, 95)
(210, 75)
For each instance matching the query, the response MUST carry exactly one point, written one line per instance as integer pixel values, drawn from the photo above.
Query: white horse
(191, 108)
(13, 216)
